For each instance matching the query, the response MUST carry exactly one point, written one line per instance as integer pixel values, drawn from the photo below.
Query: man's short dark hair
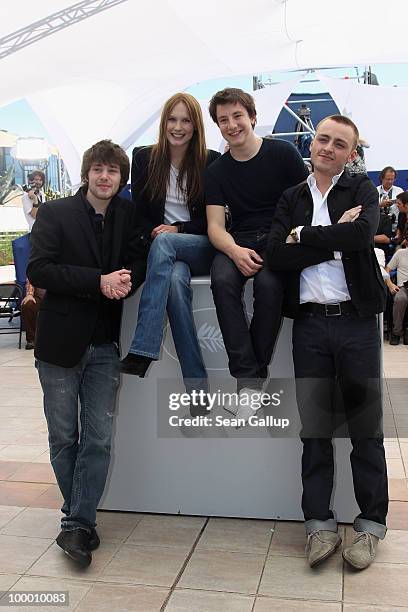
(384, 172)
(403, 197)
(35, 173)
(106, 152)
(343, 120)
(232, 95)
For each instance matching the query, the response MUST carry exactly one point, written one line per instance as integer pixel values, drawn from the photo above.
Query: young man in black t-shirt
(249, 178)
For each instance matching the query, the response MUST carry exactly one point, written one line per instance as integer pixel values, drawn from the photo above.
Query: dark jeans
(81, 459)
(249, 347)
(339, 358)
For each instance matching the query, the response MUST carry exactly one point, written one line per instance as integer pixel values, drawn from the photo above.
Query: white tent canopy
(381, 116)
(107, 75)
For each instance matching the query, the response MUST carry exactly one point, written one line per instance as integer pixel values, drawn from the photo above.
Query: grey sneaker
(245, 410)
(362, 551)
(321, 545)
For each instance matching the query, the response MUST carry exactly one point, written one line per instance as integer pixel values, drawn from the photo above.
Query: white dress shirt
(324, 283)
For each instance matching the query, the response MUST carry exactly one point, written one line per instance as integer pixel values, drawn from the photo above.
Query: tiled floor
(149, 563)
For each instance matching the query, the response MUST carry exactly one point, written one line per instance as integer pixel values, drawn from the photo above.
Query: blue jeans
(80, 459)
(173, 259)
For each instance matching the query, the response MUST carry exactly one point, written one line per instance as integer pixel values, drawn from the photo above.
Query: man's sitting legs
(398, 314)
(249, 347)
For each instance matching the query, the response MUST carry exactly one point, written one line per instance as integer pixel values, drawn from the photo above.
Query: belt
(329, 310)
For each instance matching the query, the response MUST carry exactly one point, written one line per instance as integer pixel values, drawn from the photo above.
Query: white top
(394, 192)
(399, 261)
(175, 208)
(380, 255)
(324, 283)
(28, 207)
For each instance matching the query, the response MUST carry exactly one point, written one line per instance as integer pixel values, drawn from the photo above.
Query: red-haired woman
(167, 189)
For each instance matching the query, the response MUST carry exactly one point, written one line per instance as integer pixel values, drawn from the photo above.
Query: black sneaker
(198, 402)
(93, 540)
(75, 544)
(137, 365)
(395, 340)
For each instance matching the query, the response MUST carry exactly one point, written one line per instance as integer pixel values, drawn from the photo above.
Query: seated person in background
(401, 235)
(379, 253)
(167, 190)
(250, 178)
(399, 262)
(383, 237)
(29, 309)
(387, 193)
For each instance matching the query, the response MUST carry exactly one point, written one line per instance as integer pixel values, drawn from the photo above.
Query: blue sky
(20, 119)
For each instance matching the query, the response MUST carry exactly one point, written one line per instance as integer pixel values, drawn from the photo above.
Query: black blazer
(65, 261)
(318, 243)
(150, 214)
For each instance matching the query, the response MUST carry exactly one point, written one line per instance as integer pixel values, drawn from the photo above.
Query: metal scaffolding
(53, 23)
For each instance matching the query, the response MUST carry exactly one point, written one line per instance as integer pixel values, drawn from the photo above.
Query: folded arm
(281, 255)
(356, 235)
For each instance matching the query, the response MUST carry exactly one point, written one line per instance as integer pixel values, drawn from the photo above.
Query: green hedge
(6, 253)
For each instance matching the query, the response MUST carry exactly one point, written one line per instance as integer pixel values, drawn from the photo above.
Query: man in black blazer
(84, 252)
(322, 238)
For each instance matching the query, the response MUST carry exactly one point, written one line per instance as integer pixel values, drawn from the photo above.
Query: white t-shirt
(28, 207)
(399, 261)
(175, 208)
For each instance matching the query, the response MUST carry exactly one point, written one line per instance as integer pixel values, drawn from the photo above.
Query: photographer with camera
(388, 192)
(33, 196)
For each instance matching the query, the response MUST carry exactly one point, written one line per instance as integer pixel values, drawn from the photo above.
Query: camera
(31, 187)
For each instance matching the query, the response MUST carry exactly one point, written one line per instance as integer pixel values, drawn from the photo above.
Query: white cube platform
(233, 476)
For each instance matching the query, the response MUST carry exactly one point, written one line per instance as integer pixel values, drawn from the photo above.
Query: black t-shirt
(103, 229)
(384, 225)
(402, 221)
(252, 188)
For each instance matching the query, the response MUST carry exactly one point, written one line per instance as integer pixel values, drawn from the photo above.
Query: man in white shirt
(34, 196)
(322, 237)
(387, 193)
